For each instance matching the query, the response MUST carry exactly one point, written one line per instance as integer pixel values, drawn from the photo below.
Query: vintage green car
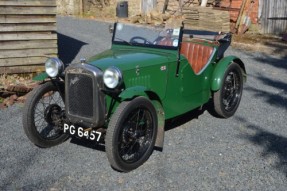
(122, 97)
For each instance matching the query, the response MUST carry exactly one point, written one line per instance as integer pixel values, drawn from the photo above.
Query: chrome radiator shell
(84, 100)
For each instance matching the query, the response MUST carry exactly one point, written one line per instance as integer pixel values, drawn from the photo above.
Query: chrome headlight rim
(112, 77)
(54, 67)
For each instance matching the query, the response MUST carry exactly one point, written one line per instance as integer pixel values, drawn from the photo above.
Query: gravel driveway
(245, 152)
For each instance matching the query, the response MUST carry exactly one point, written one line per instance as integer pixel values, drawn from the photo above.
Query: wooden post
(180, 5)
(165, 6)
(203, 3)
(148, 5)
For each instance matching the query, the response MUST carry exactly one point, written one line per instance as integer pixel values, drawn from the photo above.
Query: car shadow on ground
(185, 118)
(89, 144)
(272, 144)
(169, 125)
(68, 48)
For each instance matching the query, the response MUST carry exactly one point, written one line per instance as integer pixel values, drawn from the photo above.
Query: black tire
(130, 141)
(37, 116)
(226, 100)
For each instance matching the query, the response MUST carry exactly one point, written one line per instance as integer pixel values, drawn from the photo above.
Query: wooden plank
(28, 10)
(32, 3)
(27, 19)
(22, 69)
(27, 44)
(24, 61)
(28, 53)
(28, 36)
(28, 27)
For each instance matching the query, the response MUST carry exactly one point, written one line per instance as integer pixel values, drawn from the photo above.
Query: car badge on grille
(74, 80)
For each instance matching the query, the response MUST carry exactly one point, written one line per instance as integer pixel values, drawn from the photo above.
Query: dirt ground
(268, 44)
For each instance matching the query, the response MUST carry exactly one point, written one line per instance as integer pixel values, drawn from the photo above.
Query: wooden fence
(27, 34)
(274, 16)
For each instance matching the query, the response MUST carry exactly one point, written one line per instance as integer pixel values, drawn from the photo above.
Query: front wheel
(43, 116)
(226, 100)
(131, 134)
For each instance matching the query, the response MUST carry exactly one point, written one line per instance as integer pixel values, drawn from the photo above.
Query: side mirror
(111, 28)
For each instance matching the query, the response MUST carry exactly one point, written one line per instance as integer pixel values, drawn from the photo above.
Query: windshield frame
(147, 45)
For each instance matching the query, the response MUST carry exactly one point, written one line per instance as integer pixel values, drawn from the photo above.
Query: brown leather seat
(166, 41)
(197, 54)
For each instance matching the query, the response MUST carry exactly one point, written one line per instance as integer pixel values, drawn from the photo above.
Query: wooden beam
(28, 36)
(28, 27)
(23, 61)
(27, 19)
(31, 3)
(27, 44)
(28, 53)
(28, 10)
(21, 69)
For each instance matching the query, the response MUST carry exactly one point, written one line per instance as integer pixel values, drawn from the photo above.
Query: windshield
(146, 36)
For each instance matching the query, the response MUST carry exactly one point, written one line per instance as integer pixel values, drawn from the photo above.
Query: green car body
(152, 73)
(161, 75)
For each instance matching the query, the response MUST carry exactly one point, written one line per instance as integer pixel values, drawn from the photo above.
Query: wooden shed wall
(27, 34)
(274, 16)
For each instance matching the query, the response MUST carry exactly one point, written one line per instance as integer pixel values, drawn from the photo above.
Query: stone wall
(69, 7)
(134, 7)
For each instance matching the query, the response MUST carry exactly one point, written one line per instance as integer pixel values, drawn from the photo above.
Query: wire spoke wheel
(136, 135)
(47, 115)
(226, 100)
(131, 134)
(231, 90)
(43, 116)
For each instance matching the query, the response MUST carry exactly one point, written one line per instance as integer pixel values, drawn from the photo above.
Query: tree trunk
(165, 6)
(203, 3)
(148, 6)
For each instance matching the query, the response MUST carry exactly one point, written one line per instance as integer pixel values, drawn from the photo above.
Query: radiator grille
(80, 95)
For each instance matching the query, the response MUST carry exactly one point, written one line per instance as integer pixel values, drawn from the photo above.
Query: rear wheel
(42, 116)
(226, 100)
(131, 134)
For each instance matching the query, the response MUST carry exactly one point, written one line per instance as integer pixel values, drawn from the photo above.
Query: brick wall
(237, 4)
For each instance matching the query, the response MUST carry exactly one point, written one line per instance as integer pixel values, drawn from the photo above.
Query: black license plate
(82, 133)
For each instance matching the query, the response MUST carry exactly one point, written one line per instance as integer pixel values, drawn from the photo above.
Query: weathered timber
(31, 3)
(25, 27)
(27, 44)
(22, 69)
(24, 61)
(28, 36)
(27, 53)
(206, 19)
(27, 19)
(28, 10)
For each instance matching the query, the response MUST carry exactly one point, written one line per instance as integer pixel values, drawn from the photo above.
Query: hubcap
(48, 114)
(136, 136)
(231, 91)
(52, 114)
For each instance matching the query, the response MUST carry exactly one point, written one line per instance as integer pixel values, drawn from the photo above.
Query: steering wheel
(136, 38)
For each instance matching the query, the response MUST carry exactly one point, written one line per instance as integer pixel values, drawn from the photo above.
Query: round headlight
(54, 67)
(112, 77)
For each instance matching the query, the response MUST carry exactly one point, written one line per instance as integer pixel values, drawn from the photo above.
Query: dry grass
(15, 79)
(268, 44)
